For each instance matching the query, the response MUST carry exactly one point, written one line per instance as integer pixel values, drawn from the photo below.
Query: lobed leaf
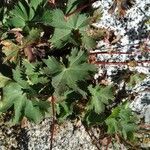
(122, 121)
(136, 79)
(13, 96)
(100, 97)
(3, 80)
(11, 50)
(68, 76)
(66, 27)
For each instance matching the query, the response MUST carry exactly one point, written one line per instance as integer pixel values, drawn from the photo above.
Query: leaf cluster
(47, 55)
(122, 121)
(45, 48)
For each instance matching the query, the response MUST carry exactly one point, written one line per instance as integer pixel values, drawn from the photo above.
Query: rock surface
(134, 34)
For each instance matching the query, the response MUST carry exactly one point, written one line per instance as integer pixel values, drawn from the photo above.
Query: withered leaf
(121, 6)
(17, 33)
(11, 50)
(29, 53)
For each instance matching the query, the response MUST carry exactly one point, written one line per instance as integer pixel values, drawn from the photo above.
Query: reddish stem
(119, 63)
(91, 53)
(144, 126)
(52, 99)
(119, 53)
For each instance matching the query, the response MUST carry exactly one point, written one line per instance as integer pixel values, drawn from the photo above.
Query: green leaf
(11, 50)
(33, 37)
(125, 114)
(113, 125)
(93, 118)
(18, 76)
(67, 27)
(136, 79)
(88, 42)
(128, 129)
(58, 20)
(19, 15)
(16, 22)
(100, 97)
(63, 110)
(20, 11)
(46, 18)
(60, 37)
(122, 121)
(115, 112)
(27, 12)
(13, 96)
(81, 21)
(68, 76)
(43, 105)
(1, 14)
(19, 104)
(71, 5)
(147, 22)
(33, 113)
(3, 80)
(35, 3)
(33, 74)
(23, 13)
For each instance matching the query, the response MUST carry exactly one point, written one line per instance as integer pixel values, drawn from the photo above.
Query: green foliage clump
(44, 58)
(122, 121)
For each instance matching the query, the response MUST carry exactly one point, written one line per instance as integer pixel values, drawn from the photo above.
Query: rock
(147, 115)
(133, 31)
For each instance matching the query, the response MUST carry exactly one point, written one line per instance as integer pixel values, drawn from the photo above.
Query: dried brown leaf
(121, 6)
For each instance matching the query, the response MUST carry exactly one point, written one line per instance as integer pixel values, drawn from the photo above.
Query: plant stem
(52, 99)
(114, 52)
(120, 63)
